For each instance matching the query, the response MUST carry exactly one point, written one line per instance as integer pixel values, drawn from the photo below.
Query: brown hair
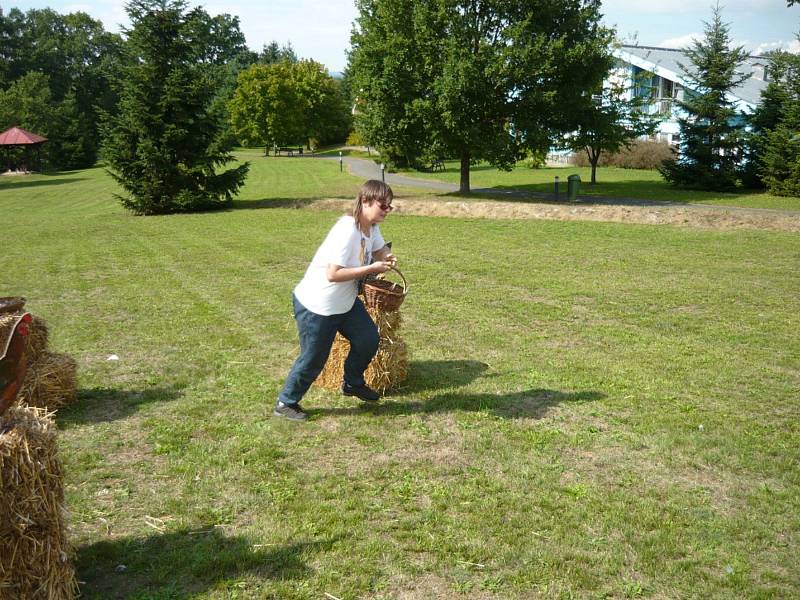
(371, 191)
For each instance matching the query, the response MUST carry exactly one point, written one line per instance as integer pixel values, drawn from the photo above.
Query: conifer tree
(777, 127)
(167, 143)
(711, 132)
(764, 119)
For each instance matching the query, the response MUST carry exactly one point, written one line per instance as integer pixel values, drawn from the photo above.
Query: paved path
(368, 169)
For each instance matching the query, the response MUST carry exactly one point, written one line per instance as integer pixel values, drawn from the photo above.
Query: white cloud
(682, 41)
(792, 46)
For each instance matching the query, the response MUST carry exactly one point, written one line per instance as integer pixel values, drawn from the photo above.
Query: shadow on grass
(10, 183)
(181, 564)
(616, 193)
(538, 194)
(531, 404)
(433, 374)
(99, 405)
(281, 202)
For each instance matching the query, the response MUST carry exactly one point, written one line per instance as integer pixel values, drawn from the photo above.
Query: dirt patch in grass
(704, 217)
(441, 447)
(426, 587)
(614, 466)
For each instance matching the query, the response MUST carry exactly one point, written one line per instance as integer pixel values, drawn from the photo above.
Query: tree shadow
(282, 202)
(530, 404)
(178, 565)
(100, 405)
(544, 193)
(525, 195)
(433, 374)
(11, 182)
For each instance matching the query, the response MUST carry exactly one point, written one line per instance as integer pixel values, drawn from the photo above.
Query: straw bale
(37, 339)
(50, 382)
(387, 369)
(36, 558)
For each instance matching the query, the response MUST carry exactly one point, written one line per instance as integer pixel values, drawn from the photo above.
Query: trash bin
(573, 187)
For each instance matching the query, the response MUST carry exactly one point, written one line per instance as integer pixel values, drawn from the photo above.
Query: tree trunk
(595, 158)
(464, 185)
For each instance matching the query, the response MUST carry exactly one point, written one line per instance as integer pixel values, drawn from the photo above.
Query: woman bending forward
(326, 301)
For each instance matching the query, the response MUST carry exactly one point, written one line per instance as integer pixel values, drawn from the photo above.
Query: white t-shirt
(343, 247)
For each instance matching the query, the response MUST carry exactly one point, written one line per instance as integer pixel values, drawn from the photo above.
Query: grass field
(611, 181)
(593, 410)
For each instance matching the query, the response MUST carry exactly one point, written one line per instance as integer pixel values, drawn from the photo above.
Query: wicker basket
(384, 295)
(11, 304)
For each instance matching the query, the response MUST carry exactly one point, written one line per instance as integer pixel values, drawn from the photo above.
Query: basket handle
(405, 283)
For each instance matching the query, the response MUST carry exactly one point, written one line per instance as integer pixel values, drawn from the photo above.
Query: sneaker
(360, 391)
(289, 411)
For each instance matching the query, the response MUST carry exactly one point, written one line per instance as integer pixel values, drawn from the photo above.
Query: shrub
(641, 154)
(354, 139)
(535, 159)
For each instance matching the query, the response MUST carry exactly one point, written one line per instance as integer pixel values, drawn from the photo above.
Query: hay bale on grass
(50, 382)
(37, 339)
(387, 369)
(36, 559)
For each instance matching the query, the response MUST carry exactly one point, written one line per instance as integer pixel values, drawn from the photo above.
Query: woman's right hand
(381, 266)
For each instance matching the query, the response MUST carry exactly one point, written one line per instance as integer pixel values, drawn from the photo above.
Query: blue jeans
(317, 333)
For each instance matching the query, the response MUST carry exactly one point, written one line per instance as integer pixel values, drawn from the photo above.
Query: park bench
(289, 150)
(436, 165)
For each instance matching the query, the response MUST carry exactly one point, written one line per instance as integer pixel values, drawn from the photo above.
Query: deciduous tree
(77, 55)
(288, 102)
(473, 79)
(265, 109)
(326, 116)
(610, 120)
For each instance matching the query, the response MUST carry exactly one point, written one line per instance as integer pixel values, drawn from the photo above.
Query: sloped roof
(19, 137)
(666, 62)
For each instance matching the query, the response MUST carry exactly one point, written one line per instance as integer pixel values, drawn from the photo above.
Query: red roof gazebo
(16, 137)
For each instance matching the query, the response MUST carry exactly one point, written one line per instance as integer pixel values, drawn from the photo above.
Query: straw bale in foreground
(36, 559)
(37, 339)
(387, 369)
(50, 382)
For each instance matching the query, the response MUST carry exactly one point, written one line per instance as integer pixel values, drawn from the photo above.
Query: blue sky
(320, 29)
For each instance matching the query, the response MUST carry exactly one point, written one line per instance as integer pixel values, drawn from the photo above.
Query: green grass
(593, 410)
(611, 181)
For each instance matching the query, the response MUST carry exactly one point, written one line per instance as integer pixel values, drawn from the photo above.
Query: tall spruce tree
(472, 79)
(167, 143)
(776, 123)
(767, 116)
(711, 145)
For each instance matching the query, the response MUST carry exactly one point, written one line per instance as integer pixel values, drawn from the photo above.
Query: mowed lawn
(593, 410)
(637, 184)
